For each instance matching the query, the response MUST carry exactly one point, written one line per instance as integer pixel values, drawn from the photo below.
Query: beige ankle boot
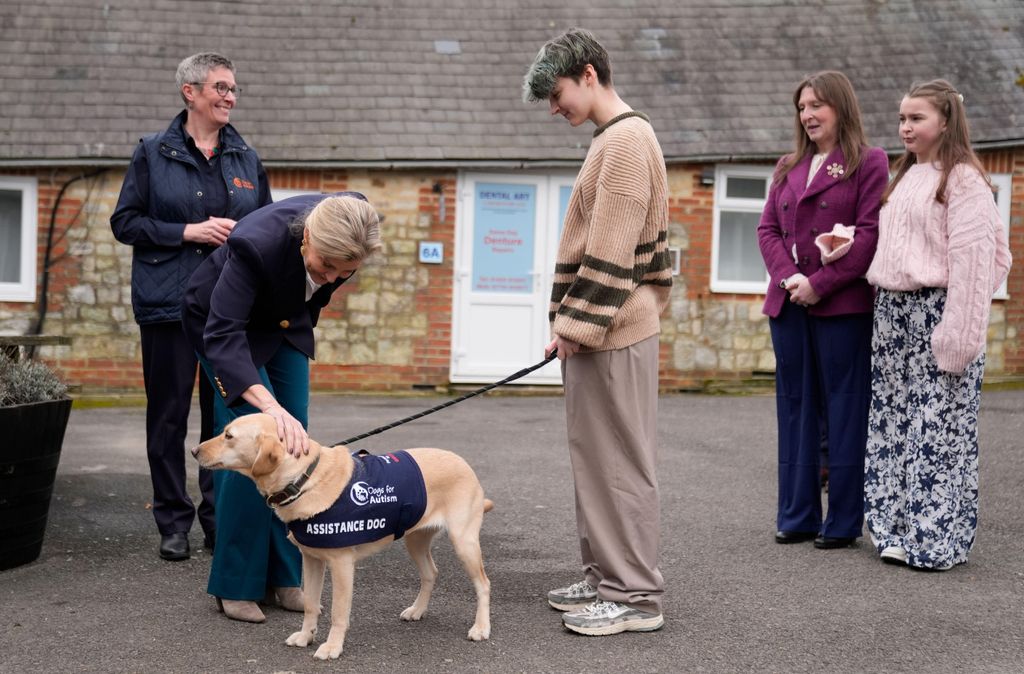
(290, 598)
(246, 611)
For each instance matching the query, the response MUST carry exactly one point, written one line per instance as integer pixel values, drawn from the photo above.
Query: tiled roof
(437, 81)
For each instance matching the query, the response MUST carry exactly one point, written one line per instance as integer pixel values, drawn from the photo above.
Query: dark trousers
(169, 371)
(253, 552)
(822, 374)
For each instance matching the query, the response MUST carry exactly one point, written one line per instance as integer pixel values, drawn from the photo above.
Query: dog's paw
(412, 613)
(477, 633)
(299, 639)
(328, 652)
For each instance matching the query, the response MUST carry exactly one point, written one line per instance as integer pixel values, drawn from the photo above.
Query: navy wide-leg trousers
(822, 375)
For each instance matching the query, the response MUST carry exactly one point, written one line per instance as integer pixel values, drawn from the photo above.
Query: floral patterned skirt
(921, 468)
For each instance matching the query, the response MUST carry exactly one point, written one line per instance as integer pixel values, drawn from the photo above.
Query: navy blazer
(796, 213)
(249, 296)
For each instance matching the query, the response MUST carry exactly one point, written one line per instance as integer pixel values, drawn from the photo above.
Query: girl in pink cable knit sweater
(942, 252)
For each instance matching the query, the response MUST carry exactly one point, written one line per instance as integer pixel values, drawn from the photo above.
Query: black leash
(485, 389)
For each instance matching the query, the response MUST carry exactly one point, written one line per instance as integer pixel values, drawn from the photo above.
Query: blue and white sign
(504, 217)
(431, 252)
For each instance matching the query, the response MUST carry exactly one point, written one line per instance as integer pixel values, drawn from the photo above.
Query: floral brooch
(836, 170)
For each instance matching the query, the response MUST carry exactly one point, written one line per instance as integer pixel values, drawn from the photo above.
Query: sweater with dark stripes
(612, 272)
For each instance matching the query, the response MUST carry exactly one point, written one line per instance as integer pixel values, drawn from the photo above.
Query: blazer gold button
(284, 324)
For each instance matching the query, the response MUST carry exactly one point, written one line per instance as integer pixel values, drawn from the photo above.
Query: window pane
(10, 236)
(745, 188)
(739, 257)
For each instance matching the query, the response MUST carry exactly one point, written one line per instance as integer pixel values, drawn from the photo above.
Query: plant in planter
(34, 411)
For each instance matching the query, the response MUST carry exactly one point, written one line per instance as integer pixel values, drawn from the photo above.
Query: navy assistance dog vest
(385, 497)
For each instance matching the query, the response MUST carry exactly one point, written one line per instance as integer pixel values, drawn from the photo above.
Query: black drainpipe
(44, 290)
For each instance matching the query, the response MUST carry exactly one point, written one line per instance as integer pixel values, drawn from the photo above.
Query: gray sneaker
(608, 617)
(573, 597)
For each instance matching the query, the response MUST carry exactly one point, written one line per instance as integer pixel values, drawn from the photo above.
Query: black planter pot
(31, 436)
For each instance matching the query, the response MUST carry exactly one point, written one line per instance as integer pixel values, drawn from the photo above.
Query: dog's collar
(293, 489)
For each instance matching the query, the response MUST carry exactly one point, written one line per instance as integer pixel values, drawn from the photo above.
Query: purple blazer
(796, 213)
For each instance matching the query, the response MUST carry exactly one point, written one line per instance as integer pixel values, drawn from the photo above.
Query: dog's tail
(488, 505)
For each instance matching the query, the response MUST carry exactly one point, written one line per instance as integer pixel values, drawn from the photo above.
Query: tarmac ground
(99, 599)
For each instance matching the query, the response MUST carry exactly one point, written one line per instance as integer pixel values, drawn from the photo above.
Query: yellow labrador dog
(329, 494)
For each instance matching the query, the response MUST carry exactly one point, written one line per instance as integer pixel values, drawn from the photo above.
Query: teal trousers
(253, 553)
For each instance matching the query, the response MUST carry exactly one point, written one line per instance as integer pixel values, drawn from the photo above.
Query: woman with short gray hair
(182, 194)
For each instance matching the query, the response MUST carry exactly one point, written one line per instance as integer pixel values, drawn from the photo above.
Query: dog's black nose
(195, 451)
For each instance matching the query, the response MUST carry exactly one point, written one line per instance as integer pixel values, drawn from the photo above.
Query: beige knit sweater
(960, 245)
(612, 274)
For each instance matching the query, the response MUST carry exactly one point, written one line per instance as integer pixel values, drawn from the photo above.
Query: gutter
(449, 164)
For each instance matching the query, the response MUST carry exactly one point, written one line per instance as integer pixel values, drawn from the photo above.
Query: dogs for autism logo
(360, 493)
(363, 494)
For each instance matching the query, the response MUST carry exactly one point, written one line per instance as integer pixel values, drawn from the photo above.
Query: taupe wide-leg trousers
(611, 404)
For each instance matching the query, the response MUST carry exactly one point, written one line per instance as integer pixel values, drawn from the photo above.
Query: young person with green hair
(612, 281)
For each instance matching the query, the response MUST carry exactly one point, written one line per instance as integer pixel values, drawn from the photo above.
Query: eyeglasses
(222, 88)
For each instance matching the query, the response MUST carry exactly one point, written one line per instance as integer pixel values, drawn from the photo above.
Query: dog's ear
(267, 456)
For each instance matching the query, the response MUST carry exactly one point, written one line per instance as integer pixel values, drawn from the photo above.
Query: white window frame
(24, 290)
(722, 173)
(1003, 182)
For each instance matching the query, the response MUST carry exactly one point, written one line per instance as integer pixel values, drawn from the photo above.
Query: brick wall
(390, 327)
(706, 335)
(1005, 353)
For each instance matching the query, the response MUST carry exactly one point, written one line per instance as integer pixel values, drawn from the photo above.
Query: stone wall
(390, 327)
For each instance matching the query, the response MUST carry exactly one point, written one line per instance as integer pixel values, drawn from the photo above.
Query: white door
(507, 229)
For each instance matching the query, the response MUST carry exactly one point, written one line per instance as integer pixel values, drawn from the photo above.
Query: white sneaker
(608, 617)
(573, 597)
(894, 554)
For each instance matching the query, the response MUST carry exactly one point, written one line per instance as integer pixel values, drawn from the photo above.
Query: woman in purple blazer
(249, 312)
(817, 236)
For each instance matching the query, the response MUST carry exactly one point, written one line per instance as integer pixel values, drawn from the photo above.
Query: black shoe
(174, 547)
(209, 540)
(827, 543)
(793, 536)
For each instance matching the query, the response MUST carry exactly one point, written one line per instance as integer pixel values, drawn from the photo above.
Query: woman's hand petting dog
(289, 430)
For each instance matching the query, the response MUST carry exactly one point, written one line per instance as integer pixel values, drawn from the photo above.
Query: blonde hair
(834, 88)
(344, 228)
(954, 144)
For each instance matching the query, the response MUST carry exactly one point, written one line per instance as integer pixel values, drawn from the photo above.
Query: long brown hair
(954, 143)
(834, 88)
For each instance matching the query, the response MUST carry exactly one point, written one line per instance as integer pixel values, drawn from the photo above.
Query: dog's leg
(342, 567)
(313, 587)
(417, 543)
(465, 537)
